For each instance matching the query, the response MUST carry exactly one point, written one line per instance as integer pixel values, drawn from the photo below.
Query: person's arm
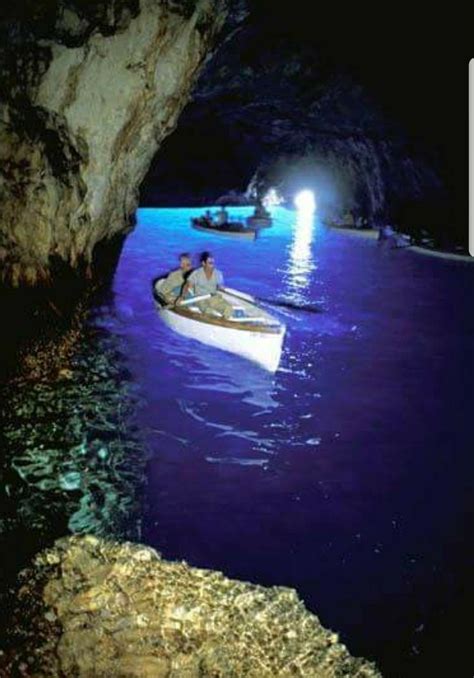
(185, 289)
(220, 281)
(188, 285)
(166, 285)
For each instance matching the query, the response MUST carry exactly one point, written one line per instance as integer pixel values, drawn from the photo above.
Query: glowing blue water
(347, 473)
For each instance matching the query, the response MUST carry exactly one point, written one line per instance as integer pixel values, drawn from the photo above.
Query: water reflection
(251, 385)
(300, 258)
(222, 404)
(72, 457)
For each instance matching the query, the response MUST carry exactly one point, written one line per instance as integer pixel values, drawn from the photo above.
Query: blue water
(347, 474)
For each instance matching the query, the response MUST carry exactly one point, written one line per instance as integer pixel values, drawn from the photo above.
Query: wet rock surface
(89, 607)
(90, 90)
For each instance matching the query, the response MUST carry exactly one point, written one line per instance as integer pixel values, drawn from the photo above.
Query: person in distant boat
(260, 212)
(386, 232)
(207, 279)
(348, 218)
(208, 217)
(222, 217)
(172, 286)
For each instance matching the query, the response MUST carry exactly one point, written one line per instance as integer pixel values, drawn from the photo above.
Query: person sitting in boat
(174, 281)
(208, 217)
(207, 279)
(260, 212)
(348, 219)
(222, 217)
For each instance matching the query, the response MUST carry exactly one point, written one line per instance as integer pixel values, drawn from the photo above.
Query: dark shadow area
(378, 104)
(38, 317)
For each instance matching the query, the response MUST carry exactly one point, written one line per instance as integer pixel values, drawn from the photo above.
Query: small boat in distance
(261, 217)
(259, 222)
(251, 333)
(235, 229)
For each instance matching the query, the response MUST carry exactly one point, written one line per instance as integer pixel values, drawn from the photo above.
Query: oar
(189, 302)
(309, 308)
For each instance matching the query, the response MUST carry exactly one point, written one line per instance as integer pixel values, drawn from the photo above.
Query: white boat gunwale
(223, 322)
(214, 320)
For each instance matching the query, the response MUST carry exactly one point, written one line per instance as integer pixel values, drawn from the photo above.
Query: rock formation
(278, 110)
(94, 608)
(89, 92)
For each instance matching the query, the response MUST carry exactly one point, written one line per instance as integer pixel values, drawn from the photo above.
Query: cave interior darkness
(315, 90)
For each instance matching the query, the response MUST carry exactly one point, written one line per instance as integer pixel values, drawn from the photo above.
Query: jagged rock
(90, 91)
(90, 607)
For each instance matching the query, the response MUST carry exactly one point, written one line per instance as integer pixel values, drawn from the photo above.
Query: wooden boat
(235, 229)
(259, 222)
(252, 333)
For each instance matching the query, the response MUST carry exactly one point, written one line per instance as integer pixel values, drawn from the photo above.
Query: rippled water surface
(347, 474)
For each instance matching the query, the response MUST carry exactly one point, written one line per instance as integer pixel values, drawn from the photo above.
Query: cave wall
(283, 109)
(89, 91)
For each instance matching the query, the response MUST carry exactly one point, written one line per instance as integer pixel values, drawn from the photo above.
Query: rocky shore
(89, 607)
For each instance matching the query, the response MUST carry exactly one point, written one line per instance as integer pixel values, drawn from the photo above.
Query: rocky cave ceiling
(370, 109)
(365, 107)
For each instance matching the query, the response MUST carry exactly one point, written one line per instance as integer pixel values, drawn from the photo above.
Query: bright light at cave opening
(305, 201)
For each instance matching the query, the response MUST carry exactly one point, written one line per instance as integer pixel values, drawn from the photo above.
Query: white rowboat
(253, 334)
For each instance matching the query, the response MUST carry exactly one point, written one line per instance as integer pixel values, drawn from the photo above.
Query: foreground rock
(94, 608)
(89, 92)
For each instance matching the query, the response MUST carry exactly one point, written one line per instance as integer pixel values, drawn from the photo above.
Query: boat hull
(263, 348)
(256, 336)
(259, 222)
(248, 233)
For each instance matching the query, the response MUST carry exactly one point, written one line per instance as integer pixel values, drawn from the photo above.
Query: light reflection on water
(320, 477)
(300, 260)
(73, 460)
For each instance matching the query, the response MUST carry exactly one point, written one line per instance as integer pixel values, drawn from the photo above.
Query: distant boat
(259, 222)
(349, 226)
(235, 229)
(253, 334)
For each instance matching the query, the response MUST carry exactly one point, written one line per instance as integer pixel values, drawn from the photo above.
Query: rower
(207, 280)
(222, 217)
(260, 211)
(172, 285)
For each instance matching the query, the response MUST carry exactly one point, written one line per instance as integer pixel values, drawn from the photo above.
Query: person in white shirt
(222, 217)
(207, 280)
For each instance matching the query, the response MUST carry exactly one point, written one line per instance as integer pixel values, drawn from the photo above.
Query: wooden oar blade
(308, 308)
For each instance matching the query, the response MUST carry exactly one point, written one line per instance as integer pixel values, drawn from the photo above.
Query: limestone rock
(90, 607)
(91, 91)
